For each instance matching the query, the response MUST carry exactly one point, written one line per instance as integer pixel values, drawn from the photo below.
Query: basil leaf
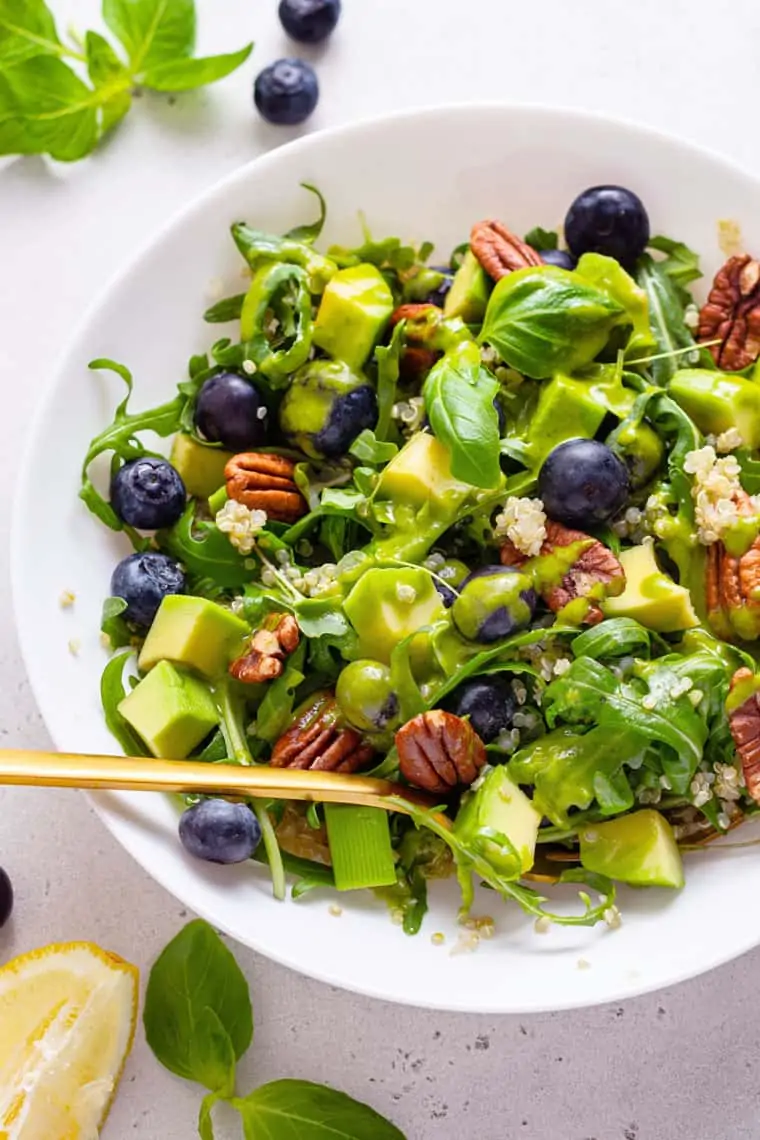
(539, 238)
(112, 693)
(185, 74)
(227, 310)
(300, 1110)
(607, 274)
(309, 232)
(27, 29)
(111, 77)
(546, 320)
(197, 1012)
(46, 109)
(459, 398)
(152, 31)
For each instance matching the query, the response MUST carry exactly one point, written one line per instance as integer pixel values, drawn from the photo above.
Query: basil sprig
(199, 1022)
(48, 107)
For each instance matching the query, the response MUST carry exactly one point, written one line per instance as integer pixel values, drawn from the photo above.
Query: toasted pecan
(316, 740)
(732, 585)
(265, 482)
(422, 323)
(745, 729)
(595, 566)
(500, 251)
(439, 751)
(731, 314)
(277, 637)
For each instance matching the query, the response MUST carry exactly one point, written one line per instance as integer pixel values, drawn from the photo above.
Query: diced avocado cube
(468, 296)
(355, 308)
(567, 409)
(499, 822)
(639, 849)
(171, 711)
(387, 605)
(201, 467)
(420, 472)
(717, 402)
(193, 632)
(651, 596)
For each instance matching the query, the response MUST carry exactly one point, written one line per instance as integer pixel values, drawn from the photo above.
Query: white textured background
(682, 1064)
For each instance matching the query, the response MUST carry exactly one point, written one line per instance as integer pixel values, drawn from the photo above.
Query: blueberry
(493, 602)
(583, 483)
(6, 897)
(286, 92)
(309, 21)
(219, 831)
(230, 411)
(148, 493)
(489, 703)
(558, 257)
(609, 220)
(349, 415)
(143, 580)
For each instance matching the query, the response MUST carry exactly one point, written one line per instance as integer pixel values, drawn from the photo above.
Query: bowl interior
(424, 175)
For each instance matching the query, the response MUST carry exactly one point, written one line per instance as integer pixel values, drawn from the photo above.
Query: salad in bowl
(485, 527)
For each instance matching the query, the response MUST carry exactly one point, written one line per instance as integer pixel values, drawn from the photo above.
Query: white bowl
(422, 175)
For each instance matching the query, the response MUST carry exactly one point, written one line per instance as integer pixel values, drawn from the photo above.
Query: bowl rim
(175, 221)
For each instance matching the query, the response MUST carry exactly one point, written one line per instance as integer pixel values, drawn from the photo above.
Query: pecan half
(745, 729)
(732, 314)
(277, 637)
(438, 751)
(595, 571)
(422, 323)
(732, 586)
(264, 482)
(316, 740)
(500, 251)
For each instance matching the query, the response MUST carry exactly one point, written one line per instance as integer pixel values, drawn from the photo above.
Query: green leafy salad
(486, 529)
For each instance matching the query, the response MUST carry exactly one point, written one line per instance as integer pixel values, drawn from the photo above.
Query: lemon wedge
(67, 1021)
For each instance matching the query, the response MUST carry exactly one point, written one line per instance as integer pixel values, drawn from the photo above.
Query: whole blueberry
(143, 580)
(148, 493)
(309, 21)
(583, 483)
(219, 831)
(6, 897)
(558, 257)
(286, 92)
(494, 602)
(230, 411)
(609, 220)
(489, 703)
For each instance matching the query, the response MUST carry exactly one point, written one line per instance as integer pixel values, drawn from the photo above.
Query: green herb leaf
(112, 693)
(539, 238)
(204, 551)
(680, 263)
(111, 78)
(184, 74)
(197, 1012)
(666, 318)
(608, 275)
(46, 109)
(27, 29)
(388, 371)
(547, 320)
(205, 1123)
(367, 448)
(227, 310)
(152, 31)
(616, 637)
(274, 712)
(310, 231)
(113, 625)
(459, 398)
(300, 1110)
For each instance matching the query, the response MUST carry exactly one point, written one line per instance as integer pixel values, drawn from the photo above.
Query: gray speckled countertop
(641, 1071)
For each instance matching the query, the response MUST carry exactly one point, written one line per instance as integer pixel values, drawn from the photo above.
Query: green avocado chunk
(387, 605)
(171, 711)
(499, 822)
(193, 632)
(639, 849)
(468, 296)
(650, 596)
(421, 471)
(717, 402)
(355, 308)
(201, 468)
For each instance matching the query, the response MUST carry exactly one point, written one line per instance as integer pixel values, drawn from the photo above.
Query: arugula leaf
(367, 448)
(459, 399)
(185, 74)
(310, 232)
(274, 712)
(300, 1110)
(680, 263)
(228, 309)
(388, 370)
(204, 551)
(112, 693)
(539, 238)
(666, 319)
(110, 77)
(410, 698)
(616, 637)
(27, 29)
(197, 1012)
(113, 625)
(152, 31)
